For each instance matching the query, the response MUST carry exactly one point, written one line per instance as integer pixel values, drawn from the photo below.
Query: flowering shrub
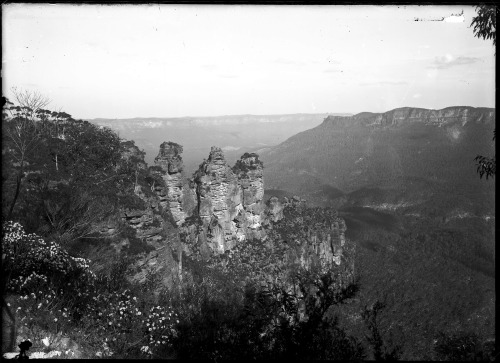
(41, 307)
(54, 293)
(160, 325)
(25, 254)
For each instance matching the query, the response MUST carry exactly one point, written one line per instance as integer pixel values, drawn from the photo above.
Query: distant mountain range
(400, 157)
(234, 134)
(405, 182)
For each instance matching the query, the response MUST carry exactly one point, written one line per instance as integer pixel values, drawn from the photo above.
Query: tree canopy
(485, 22)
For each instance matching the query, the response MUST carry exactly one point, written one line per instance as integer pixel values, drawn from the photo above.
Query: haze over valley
(234, 134)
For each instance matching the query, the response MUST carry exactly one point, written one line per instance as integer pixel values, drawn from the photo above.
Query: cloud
(332, 70)
(228, 75)
(455, 19)
(384, 83)
(291, 62)
(448, 61)
(209, 67)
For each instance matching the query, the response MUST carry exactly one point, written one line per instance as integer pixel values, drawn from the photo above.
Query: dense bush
(28, 254)
(53, 293)
(463, 346)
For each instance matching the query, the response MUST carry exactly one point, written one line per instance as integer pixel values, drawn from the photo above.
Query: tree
(485, 22)
(486, 165)
(485, 27)
(380, 350)
(58, 174)
(21, 129)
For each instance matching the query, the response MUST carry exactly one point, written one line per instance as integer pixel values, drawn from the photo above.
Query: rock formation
(175, 196)
(316, 236)
(216, 209)
(226, 203)
(249, 170)
(219, 200)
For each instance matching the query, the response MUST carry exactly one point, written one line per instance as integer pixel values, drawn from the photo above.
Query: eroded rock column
(171, 197)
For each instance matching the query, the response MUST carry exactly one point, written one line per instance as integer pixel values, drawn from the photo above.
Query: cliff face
(228, 202)
(388, 150)
(316, 236)
(212, 212)
(249, 170)
(144, 228)
(460, 115)
(175, 196)
(220, 207)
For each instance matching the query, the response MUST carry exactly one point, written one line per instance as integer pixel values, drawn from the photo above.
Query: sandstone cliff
(218, 208)
(316, 236)
(175, 195)
(222, 205)
(404, 115)
(140, 226)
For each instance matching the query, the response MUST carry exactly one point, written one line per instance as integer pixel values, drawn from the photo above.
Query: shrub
(53, 293)
(462, 346)
(25, 254)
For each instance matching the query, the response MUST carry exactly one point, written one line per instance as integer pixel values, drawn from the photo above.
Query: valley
(233, 134)
(389, 204)
(405, 183)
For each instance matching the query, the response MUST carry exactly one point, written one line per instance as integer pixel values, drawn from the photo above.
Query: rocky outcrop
(219, 206)
(218, 194)
(216, 209)
(229, 209)
(274, 209)
(175, 196)
(316, 236)
(249, 170)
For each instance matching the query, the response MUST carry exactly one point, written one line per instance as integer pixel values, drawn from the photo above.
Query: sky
(125, 61)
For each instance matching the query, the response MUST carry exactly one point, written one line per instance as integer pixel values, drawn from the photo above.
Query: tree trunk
(180, 262)
(18, 187)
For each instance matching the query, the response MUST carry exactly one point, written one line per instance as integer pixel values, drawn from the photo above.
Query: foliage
(462, 346)
(486, 165)
(55, 170)
(63, 177)
(485, 22)
(231, 316)
(212, 314)
(99, 311)
(27, 257)
(135, 244)
(247, 162)
(430, 279)
(380, 351)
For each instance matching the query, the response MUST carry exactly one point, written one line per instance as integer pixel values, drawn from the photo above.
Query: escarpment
(140, 227)
(445, 117)
(315, 236)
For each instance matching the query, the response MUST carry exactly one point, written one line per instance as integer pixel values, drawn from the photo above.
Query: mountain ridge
(430, 115)
(412, 159)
